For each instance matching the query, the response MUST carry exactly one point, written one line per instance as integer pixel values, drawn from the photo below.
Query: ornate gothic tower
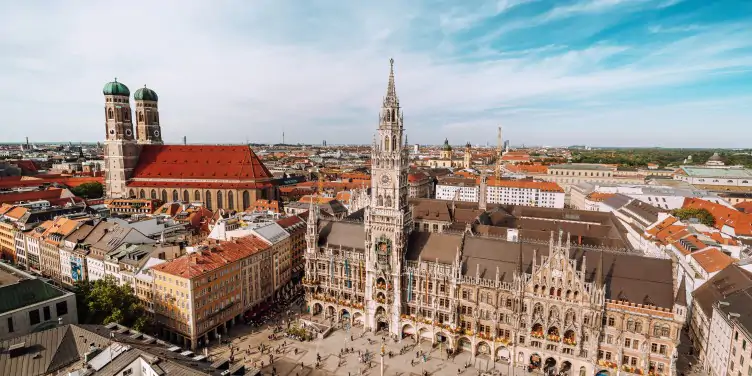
(147, 117)
(388, 220)
(120, 148)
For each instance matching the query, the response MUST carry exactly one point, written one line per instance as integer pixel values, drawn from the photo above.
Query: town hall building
(556, 306)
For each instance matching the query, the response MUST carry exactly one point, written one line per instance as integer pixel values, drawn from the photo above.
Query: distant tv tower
(283, 137)
(185, 140)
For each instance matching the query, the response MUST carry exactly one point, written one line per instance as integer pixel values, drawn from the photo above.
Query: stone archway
(408, 331)
(503, 354)
(382, 319)
(425, 335)
(442, 337)
(549, 367)
(464, 344)
(317, 308)
(344, 315)
(482, 348)
(565, 369)
(357, 318)
(330, 312)
(535, 361)
(602, 372)
(553, 334)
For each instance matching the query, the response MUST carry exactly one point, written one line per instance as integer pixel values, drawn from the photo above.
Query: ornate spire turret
(391, 100)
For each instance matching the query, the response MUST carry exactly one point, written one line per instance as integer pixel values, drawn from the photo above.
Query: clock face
(385, 179)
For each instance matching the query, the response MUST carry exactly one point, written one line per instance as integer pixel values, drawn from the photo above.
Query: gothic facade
(550, 306)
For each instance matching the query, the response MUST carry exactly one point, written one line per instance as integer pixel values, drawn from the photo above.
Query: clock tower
(388, 218)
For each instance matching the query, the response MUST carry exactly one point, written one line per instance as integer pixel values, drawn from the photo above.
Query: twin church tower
(122, 147)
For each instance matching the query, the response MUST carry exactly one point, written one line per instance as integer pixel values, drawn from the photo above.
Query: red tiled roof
(289, 221)
(724, 216)
(188, 184)
(65, 180)
(712, 259)
(199, 162)
(12, 198)
(218, 255)
(416, 176)
(745, 206)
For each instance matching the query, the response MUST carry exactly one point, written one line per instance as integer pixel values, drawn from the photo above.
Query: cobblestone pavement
(295, 358)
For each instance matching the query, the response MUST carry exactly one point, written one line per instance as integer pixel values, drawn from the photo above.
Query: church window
(110, 114)
(186, 196)
(379, 201)
(175, 195)
(386, 143)
(558, 292)
(208, 200)
(394, 143)
(164, 195)
(153, 194)
(140, 116)
(220, 202)
(551, 292)
(131, 194)
(388, 201)
(230, 201)
(126, 114)
(197, 196)
(394, 118)
(142, 194)
(246, 200)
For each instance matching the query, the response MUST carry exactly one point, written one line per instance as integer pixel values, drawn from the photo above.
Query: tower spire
(391, 93)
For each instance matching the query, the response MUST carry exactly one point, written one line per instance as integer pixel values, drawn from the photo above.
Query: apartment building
(280, 247)
(705, 342)
(296, 227)
(198, 295)
(502, 191)
(7, 240)
(50, 244)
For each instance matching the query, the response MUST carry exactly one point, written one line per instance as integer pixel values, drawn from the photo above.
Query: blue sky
(672, 73)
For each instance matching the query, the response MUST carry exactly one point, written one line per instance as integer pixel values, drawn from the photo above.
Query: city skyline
(654, 73)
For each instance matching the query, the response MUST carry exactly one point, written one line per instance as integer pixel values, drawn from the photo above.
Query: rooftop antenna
(283, 137)
(185, 140)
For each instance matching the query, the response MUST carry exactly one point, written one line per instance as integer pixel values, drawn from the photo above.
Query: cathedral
(554, 306)
(139, 165)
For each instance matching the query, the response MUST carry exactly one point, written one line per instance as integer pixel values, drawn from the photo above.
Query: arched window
(197, 196)
(110, 114)
(230, 201)
(246, 200)
(394, 143)
(208, 201)
(379, 201)
(558, 292)
(153, 194)
(126, 114)
(638, 327)
(164, 195)
(219, 200)
(131, 193)
(665, 331)
(386, 143)
(630, 326)
(552, 291)
(186, 196)
(394, 118)
(657, 331)
(141, 117)
(142, 194)
(175, 195)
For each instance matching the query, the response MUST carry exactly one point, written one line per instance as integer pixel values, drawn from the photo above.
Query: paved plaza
(296, 358)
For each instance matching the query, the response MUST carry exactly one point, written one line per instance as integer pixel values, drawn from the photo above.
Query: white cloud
(224, 74)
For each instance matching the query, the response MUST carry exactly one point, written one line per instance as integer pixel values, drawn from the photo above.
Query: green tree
(702, 215)
(89, 190)
(104, 301)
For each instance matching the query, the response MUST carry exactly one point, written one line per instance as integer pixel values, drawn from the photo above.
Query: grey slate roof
(53, 350)
(629, 277)
(345, 234)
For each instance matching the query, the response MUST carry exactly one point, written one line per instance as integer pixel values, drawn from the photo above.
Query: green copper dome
(116, 88)
(145, 94)
(446, 145)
